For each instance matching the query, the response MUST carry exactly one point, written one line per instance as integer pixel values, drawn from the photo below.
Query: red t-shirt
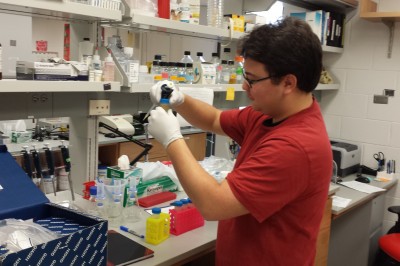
(281, 176)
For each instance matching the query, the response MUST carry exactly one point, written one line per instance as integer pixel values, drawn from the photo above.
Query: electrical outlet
(99, 107)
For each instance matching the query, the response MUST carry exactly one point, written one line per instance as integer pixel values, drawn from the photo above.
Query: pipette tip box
(21, 199)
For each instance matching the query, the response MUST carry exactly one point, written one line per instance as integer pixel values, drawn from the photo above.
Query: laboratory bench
(356, 228)
(196, 245)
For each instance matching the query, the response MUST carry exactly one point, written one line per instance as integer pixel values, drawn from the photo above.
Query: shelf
(59, 9)
(325, 87)
(343, 6)
(56, 86)
(332, 49)
(138, 88)
(369, 11)
(144, 22)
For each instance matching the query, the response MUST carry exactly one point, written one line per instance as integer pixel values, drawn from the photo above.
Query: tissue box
(155, 185)
(85, 245)
(21, 136)
(116, 172)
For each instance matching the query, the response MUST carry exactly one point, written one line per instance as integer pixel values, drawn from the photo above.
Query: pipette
(166, 90)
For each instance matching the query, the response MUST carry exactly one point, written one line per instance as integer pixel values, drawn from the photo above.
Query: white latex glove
(177, 97)
(164, 126)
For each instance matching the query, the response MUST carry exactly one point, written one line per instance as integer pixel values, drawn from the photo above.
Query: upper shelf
(150, 23)
(57, 86)
(59, 9)
(369, 10)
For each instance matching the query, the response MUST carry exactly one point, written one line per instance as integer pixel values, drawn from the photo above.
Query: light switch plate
(381, 99)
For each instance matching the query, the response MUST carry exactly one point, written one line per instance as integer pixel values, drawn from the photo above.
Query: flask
(184, 11)
(131, 211)
(85, 49)
(215, 13)
(109, 68)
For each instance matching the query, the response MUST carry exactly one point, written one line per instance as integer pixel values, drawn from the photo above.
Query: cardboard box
(21, 199)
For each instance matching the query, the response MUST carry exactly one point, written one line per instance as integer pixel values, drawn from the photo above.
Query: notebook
(122, 250)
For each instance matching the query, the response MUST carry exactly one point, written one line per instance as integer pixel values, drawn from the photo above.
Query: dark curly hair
(287, 47)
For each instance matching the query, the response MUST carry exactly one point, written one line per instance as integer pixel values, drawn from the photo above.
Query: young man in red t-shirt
(270, 206)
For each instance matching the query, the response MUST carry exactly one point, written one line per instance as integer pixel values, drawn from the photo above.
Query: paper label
(230, 94)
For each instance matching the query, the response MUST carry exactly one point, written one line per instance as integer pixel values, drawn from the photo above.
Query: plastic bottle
(109, 68)
(224, 72)
(189, 73)
(184, 10)
(92, 199)
(217, 64)
(96, 62)
(227, 54)
(186, 58)
(173, 72)
(157, 227)
(232, 72)
(184, 204)
(190, 203)
(132, 65)
(144, 76)
(239, 69)
(215, 13)
(156, 71)
(164, 67)
(181, 73)
(163, 9)
(131, 211)
(200, 57)
(85, 49)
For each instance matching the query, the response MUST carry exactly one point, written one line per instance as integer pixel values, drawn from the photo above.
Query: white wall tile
(384, 112)
(380, 58)
(395, 135)
(345, 104)
(333, 124)
(390, 153)
(394, 192)
(368, 81)
(363, 130)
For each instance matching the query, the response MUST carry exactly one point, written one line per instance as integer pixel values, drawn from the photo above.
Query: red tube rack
(185, 220)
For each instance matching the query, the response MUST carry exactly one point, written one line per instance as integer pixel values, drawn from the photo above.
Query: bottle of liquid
(181, 73)
(131, 211)
(200, 57)
(184, 204)
(164, 67)
(157, 227)
(215, 13)
(218, 69)
(177, 205)
(184, 10)
(92, 209)
(109, 68)
(156, 71)
(239, 69)
(132, 65)
(227, 54)
(173, 72)
(166, 90)
(186, 58)
(224, 72)
(163, 9)
(100, 201)
(85, 49)
(1, 62)
(232, 72)
(189, 73)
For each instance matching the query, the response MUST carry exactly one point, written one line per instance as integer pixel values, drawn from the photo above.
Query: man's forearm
(200, 114)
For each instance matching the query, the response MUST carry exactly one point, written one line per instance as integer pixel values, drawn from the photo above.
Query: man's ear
(289, 83)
